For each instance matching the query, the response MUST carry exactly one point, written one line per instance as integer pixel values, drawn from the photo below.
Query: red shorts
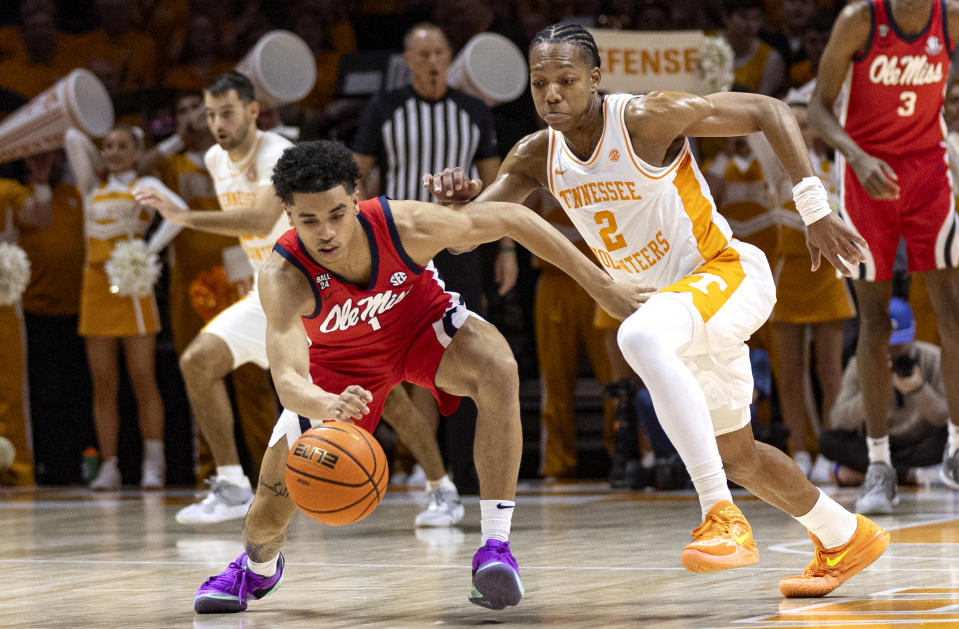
(924, 215)
(415, 360)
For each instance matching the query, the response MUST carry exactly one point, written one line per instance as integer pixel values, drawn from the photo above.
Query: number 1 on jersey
(611, 239)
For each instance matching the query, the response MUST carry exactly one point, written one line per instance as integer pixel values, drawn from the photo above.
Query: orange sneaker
(724, 540)
(831, 567)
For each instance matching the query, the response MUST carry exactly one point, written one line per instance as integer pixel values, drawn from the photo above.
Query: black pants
(848, 447)
(60, 398)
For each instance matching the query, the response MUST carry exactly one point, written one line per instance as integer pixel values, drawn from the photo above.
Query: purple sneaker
(228, 591)
(496, 581)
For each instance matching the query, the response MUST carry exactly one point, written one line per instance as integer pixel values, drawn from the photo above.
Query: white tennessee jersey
(647, 225)
(236, 184)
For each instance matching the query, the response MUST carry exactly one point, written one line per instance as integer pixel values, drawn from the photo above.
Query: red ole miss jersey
(366, 330)
(895, 89)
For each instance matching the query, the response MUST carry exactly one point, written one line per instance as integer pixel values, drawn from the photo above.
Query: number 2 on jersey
(611, 239)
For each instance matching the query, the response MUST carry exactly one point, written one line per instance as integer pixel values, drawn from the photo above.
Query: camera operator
(917, 414)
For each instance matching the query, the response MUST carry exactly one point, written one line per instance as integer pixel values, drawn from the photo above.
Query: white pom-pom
(14, 273)
(132, 269)
(715, 64)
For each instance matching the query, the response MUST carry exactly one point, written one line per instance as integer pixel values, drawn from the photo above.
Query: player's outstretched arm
(425, 228)
(286, 297)
(256, 220)
(733, 114)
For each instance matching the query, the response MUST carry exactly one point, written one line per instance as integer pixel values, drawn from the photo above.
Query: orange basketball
(336, 473)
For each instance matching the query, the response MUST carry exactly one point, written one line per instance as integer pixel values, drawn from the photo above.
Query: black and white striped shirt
(410, 136)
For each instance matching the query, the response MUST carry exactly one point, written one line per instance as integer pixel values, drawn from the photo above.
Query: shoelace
(213, 487)
(435, 498)
(714, 526)
(874, 482)
(815, 568)
(227, 580)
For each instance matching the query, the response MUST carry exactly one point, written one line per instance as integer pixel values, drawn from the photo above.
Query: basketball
(336, 473)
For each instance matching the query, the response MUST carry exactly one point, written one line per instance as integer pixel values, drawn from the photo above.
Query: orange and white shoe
(724, 540)
(831, 567)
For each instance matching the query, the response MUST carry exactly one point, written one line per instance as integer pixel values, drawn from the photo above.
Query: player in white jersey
(241, 164)
(622, 169)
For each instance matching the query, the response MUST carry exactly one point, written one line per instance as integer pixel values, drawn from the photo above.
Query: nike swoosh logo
(560, 172)
(741, 539)
(502, 506)
(832, 562)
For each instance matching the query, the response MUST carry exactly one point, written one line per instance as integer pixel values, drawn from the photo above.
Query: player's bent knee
(205, 359)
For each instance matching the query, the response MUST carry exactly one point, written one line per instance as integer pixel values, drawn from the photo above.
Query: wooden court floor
(589, 557)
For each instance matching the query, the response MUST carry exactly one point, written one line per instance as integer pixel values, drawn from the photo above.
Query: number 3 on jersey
(908, 107)
(611, 239)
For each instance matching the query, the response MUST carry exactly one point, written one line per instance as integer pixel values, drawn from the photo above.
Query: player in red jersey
(354, 307)
(895, 184)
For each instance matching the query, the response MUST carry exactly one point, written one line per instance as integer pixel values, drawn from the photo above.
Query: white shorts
(717, 355)
(242, 326)
(291, 426)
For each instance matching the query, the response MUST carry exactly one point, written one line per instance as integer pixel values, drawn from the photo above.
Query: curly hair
(315, 166)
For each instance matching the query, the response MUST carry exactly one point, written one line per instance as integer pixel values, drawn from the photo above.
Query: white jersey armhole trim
(644, 168)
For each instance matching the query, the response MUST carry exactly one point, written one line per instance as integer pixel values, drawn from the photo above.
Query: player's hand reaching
(350, 404)
(151, 197)
(621, 299)
(452, 185)
(831, 238)
(876, 177)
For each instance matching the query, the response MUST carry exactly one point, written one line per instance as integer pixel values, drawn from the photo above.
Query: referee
(423, 128)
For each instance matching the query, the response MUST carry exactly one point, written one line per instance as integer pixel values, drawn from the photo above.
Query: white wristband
(173, 144)
(812, 203)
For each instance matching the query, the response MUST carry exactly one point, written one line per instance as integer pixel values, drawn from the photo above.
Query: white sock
(495, 519)
(879, 450)
(953, 438)
(265, 569)
(710, 483)
(153, 450)
(443, 481)
(832, 525)
(233, 474)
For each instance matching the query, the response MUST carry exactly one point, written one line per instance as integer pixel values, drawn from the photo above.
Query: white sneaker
(878, 493)
(153, 475)
(443, 509)
(224, 501)
(417, 478)
(108, 478)
(821, 472)
(803, 461)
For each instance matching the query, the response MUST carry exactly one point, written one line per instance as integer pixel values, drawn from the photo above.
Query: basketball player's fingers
(851, 253)
(354, 402)
(360, 393)
(814, 256)
(445, 182)
(888, 171)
